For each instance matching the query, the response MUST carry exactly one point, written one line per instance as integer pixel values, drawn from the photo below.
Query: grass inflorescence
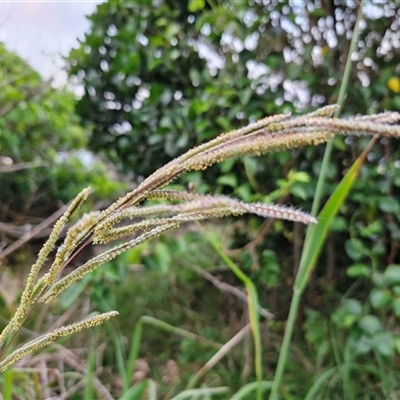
(128, 223)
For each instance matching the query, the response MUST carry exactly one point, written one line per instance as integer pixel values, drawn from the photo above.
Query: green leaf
(196, 5)
(370, 324)
(299, 176)
(316, 234)
(299, 190)
(392, 274)
(244, 192)
(363, 345)
(358, 271)
(355, 248)
(227, 180)
(384, 344)
(339, 224)
(349, 313)
(378, 298)
(389, 205)
(227, 165)
(396, 306)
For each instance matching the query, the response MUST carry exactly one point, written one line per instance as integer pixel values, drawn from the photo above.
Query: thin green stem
(253, 310)
(342, 93)
(303, 276)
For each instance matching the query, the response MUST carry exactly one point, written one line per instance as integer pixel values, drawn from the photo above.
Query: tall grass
(316, 235)
(128, 223)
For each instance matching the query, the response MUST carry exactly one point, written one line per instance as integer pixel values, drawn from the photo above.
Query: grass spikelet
(49, 338)
(172, 195)
(326, 111)
(201, 208)
(74, 235)
(26, 298)
(95, 262)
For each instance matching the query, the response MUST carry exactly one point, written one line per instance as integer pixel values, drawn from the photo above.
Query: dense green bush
(42, 155)
(156, 86)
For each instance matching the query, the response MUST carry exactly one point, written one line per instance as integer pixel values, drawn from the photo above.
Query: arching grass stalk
(127, 223)
(315, 234)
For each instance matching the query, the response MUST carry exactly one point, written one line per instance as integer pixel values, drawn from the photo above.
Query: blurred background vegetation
(159, 78)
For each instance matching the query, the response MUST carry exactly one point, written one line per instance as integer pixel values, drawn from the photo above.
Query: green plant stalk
(310, 251)
(253, 313)
(8, 384)
(119, 355)
(89, 390)
(345, 373)
(342, 92)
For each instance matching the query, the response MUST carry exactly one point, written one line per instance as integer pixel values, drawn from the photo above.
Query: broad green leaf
(389, 205)
(316, 234)
(392, 274)
(384, 344)
(363, 345)
(379, 298)
(355, 248)
(370, 324)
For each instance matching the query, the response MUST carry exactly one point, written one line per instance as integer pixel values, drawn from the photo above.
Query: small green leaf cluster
(41, 143)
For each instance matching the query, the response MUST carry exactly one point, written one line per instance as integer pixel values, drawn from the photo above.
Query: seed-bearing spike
(26, 298)
(49, 338)
(95, 262)
(326, 111)
(74, 235)
(172, 195)
(388, 117)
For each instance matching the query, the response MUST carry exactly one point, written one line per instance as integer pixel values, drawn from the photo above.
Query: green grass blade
(135, 392)
(152, 390)
(315, 238)
(342, 93)
(135, 347)
(317, 385)
(8, 384)
(119, 355)
(89, 390)
(244, 391)
(191, 393)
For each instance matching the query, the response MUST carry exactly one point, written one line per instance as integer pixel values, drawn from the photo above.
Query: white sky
(41, 32)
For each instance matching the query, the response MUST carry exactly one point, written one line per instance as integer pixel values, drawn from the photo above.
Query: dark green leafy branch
(124, 218)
